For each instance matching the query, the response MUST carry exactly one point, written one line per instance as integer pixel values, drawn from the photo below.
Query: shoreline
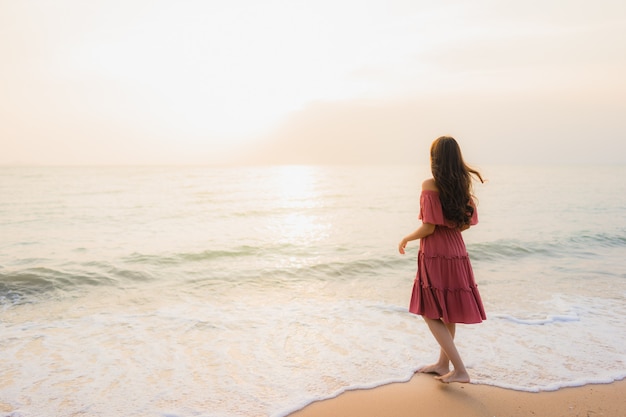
(422, 395)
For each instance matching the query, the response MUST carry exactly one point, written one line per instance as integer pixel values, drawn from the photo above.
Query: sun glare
(204, 82)
(208, 77)
(296, 186)
(297, 192)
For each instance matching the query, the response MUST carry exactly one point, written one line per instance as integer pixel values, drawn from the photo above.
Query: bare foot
(435, 368)
(454, 376)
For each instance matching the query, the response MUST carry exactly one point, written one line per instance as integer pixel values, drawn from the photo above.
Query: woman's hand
(402, 245)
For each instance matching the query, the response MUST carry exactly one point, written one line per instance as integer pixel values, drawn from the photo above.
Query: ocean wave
(580, 245)
(370, 266)
(277, 261)
(335, 269)
(577, 245)
(600, 239)
(32, 284)
(26, 283)
(198, 256)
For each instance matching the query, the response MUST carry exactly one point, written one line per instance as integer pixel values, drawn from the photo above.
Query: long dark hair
(453, 179)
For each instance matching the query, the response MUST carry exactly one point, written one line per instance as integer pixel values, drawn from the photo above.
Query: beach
(260, 291)
(425, 396)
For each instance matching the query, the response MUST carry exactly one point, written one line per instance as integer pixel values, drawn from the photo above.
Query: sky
(107, 82)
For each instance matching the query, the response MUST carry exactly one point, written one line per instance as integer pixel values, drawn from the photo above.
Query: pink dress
(444, 287)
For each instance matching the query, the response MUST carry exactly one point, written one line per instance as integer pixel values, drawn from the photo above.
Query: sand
(424, 396)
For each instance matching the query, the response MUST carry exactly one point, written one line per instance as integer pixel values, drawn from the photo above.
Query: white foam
(234, 354)
(548, 320)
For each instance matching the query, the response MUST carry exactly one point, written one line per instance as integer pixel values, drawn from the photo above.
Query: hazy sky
(357, 81)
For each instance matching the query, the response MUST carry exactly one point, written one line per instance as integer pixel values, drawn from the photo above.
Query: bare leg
(442, 366)
(445, 338)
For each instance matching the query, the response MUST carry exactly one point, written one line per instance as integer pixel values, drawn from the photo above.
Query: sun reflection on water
(297, 194)
(297, 186)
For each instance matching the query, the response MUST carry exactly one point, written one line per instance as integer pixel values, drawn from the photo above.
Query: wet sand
(425, 396)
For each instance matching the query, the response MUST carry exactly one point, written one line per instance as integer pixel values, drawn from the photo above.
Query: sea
(254, 291)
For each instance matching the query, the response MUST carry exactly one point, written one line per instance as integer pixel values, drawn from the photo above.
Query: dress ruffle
(444, 288)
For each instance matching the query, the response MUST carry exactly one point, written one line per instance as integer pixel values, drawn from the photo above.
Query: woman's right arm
(424, 230)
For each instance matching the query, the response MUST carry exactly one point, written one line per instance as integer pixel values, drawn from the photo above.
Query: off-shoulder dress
(444, 287)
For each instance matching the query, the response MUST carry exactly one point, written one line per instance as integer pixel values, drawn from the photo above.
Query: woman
(444, 292)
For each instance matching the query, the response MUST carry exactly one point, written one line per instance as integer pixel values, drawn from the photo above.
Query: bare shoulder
(429, 185)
